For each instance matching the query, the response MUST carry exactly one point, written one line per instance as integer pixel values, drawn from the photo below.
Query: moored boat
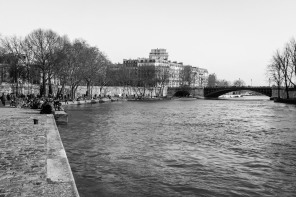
(185, 98)
(93, 101)
(104, 100)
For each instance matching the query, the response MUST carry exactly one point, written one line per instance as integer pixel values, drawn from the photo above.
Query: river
(236, 147)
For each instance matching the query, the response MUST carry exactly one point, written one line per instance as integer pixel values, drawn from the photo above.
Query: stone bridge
(214, 92)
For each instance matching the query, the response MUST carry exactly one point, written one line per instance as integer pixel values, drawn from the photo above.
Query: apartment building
(172, 70)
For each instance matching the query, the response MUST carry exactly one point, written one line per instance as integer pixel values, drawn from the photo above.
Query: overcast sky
(231, 38)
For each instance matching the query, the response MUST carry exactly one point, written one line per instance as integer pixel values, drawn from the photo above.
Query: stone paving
(24, 156)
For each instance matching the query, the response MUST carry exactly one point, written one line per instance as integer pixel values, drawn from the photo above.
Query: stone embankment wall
(120, 91)
(81, 90)
(292, 93)
(22, 88)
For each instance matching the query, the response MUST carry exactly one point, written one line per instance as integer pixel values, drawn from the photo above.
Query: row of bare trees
(282, 69)
(45, 54)
(139, 79)
(44, 57)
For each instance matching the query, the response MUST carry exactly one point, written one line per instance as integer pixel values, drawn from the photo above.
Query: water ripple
(173, 148)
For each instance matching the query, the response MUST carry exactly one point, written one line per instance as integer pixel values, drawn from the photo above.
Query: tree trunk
(43, 93)
(286, 86)
(59, 92)
(72, 92)
(101, 87)
(287, 92)
(87, 88)
(50, 91)
(91, 92)
(75, 89)
(161, 90)
(17, 88)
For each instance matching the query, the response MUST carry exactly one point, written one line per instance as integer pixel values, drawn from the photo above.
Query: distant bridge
(218, 91)
(215, 92)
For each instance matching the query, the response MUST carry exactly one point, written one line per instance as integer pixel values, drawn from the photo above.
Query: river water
(231, 147)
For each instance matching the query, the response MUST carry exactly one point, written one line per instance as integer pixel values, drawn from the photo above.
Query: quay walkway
(33, 161)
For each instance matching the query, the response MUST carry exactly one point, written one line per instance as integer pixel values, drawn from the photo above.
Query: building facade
(168, 73)
(160, 54)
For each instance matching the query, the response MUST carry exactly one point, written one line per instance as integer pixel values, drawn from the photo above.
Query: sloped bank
(288, 101)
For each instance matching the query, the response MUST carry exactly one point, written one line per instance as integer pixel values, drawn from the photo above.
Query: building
(199, 77)
(160, 54)
(168, 73)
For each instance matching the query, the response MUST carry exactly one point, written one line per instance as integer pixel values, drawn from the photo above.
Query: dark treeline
(282, 69)
(43, 56)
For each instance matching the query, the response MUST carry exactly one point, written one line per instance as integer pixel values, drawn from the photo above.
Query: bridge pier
(197, 92)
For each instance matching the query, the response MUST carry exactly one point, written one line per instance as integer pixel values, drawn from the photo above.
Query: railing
(249, 87)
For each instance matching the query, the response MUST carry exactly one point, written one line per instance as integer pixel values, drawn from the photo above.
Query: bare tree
(115, 73)
(186, 76)
(282, 59)
(61, 66)
(239, 82)
(282, 69)
(33, 75)
(44, 54)
(291, 50)
(212, 80)
(74, 64)
(274, 73)
(43, 44)
(96, 71)
(223, 83)
(14, 56)
(121, 76)
(147, 77)
(162, 77)
(90, 56)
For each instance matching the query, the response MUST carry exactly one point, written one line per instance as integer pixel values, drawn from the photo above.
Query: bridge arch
(214, 92)
(182, 93)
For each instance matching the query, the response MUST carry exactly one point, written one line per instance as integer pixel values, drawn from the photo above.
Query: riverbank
(113, 99)
(93, 101)
(33, 160)
(288, 101)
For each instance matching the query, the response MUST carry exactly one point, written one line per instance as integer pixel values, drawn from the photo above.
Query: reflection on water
(177, 148)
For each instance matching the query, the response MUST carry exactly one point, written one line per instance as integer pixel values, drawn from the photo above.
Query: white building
(158, 58)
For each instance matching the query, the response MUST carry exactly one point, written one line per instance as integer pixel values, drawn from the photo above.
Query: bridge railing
(249, 87)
